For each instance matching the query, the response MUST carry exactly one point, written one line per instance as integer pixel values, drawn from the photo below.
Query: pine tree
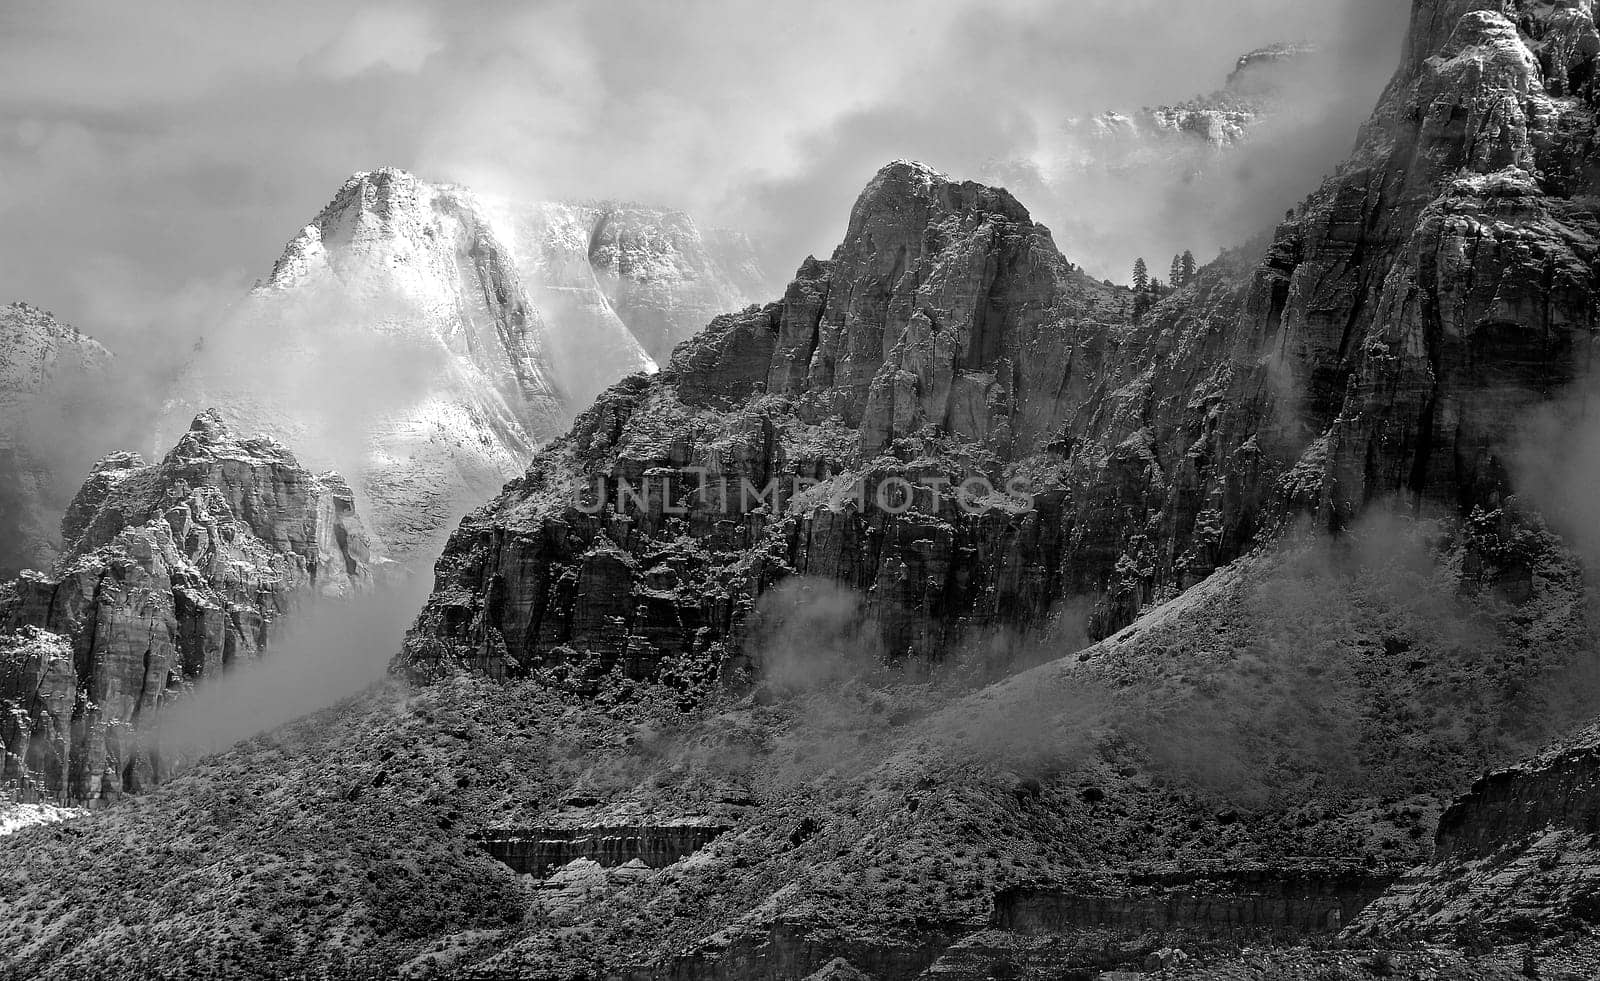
(1188, 266)
(1141, 275)
(1175, 276)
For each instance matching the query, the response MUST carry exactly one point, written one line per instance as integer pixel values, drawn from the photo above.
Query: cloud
(327, 651)
(393, 38)
(187, 143)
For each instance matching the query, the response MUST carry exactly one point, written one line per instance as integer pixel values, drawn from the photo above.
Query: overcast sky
(154, 157)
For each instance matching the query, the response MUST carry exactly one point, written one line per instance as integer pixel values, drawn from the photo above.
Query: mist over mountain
(569, 101)
(945, 609)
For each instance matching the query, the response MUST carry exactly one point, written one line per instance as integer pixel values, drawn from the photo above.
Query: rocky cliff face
(1319, 698)
(1384, 346)
(946, 316)
(42, 362)
(172, 573)
(425, 341)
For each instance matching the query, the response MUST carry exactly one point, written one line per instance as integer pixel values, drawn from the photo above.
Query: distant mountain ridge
(1180, 169)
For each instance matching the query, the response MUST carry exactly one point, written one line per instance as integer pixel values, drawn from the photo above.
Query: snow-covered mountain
(424, 340)
(621, 284)
(42, 363)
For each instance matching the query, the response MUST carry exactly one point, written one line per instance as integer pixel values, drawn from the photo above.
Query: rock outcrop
(540, 851)
(1514, 856)
(1321, 698)
(43, 363)
(947, 311)
(172, 574)
(1230, 899)
(1385, 345)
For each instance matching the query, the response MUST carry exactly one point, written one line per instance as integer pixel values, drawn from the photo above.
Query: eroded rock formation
(172, 573)
(1229, 900)
(1385, 345)
(393, 341)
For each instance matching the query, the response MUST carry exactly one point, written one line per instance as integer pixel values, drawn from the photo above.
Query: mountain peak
(914, 190)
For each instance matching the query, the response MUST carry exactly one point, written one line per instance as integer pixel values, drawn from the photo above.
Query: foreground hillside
(1326, 702)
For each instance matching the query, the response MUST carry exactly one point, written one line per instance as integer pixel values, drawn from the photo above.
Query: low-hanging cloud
(328, 650)
(128, 179)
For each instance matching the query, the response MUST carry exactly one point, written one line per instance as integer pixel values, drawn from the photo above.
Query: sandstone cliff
(171, 574)
(43, 364)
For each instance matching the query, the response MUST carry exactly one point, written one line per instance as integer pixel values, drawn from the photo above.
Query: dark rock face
(539, 851)
(1509, 805)
(916, 326)
(793, 951)
(1384, 345)
(172, 573)
(1236, 901)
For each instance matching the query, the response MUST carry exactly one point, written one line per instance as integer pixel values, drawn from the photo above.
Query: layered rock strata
(539, 851)
(1233, 900)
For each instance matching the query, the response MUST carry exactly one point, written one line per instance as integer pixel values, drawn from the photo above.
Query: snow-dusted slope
(666, 277)
(424, 340)
(1258, 87)
(620, 285)
(42, 364)
(589, 345)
